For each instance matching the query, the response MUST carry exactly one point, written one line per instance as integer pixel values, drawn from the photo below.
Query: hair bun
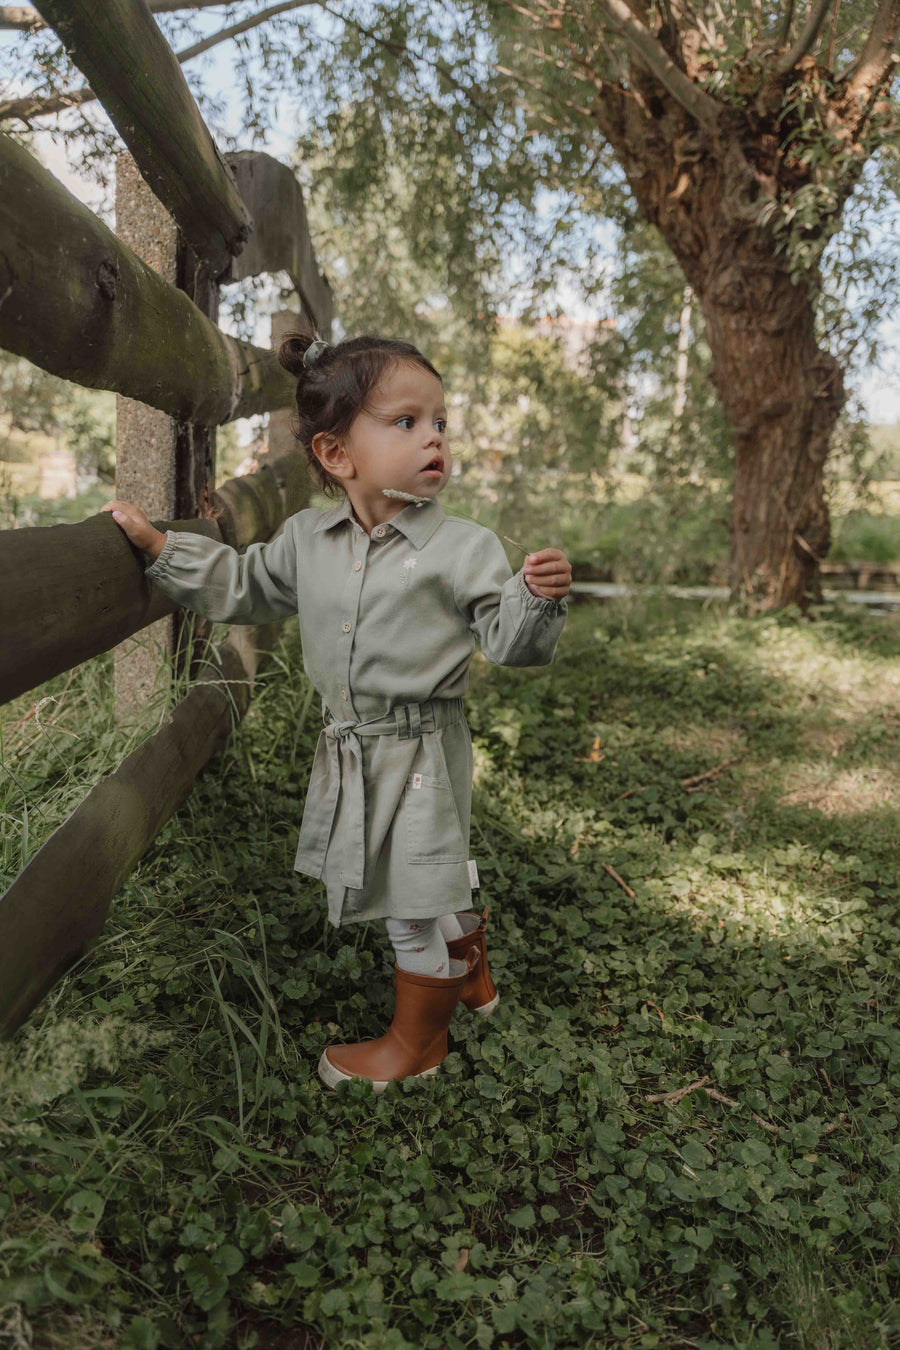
(292, 350)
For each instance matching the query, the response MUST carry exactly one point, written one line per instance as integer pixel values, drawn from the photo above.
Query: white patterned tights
(420, 945)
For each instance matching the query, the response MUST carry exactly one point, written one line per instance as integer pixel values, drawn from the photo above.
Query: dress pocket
(433, 831)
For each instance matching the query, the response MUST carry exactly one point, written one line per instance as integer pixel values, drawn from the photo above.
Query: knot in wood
(108, 278)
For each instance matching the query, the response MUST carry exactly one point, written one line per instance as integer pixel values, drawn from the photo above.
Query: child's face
(400, 433)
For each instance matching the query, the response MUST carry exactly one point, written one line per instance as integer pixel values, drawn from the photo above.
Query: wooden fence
(79, 303)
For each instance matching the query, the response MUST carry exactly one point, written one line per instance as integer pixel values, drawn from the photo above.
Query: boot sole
(331, 1076)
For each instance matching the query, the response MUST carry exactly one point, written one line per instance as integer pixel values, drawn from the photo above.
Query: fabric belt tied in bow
(337, 776)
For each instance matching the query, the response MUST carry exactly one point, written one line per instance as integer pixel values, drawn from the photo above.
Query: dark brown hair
(334, 389)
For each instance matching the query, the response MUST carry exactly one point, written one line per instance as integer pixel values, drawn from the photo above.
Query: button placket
(353, 593)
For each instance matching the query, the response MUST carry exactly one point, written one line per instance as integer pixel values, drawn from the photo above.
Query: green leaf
(207, 1283)
(140, 1334)
(85, 1209)
(550, 1077)
(228, 1259)
(307, 1276)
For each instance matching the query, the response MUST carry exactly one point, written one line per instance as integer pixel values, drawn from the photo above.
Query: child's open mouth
(435, 467)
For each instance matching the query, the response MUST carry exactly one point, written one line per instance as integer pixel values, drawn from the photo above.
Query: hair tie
(313, 352)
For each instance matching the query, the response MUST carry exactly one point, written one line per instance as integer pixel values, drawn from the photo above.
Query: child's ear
(329, 451)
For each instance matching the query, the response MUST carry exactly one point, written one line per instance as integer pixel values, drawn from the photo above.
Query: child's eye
(410, 420)
(441, 425)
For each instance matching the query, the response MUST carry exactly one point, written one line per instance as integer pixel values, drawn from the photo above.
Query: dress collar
(416, 523)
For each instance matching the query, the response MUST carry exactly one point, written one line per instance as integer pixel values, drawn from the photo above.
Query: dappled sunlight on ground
(846, 792)
(688, 1090)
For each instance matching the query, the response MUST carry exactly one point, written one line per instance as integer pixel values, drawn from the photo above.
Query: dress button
(356, 566)
(344, 694)
(346, 627)
(379, 531)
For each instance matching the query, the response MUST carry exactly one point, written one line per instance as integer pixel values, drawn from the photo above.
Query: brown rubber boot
(415, 1045)
(479, 993)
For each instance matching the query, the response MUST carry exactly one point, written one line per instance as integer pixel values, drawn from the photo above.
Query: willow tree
(739, 131)
(741, 141)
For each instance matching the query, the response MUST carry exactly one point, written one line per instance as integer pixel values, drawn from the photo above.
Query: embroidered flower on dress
(407, 571)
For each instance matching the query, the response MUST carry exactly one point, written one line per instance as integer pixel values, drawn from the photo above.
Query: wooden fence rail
(136, 75)
(58, 903)
(281, 240)
(78, 303)
(73, 591)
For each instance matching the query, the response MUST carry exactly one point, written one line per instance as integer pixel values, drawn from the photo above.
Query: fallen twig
(729, 1101)
(670, 1098)
(677, 1095)
(615, 876)
(692, 781)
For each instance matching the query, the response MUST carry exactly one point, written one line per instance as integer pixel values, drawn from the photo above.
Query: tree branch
(170, 6)
(29, 107)
(875, 60)
(786, 22)
(817, 15)
(394, 47)
(26, 16)
(225, 33)
(834, 19)
(702, 108)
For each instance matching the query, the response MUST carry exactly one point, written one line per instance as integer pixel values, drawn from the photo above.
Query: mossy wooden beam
(71, 592)
(80, 304)
(136, 76)
(249, 509)
(281, 240)
(58, 904)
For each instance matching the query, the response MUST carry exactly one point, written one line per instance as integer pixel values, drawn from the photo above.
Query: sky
(879, 388)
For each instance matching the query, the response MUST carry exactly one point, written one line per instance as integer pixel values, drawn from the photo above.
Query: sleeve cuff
(160, 565)
(538, 602)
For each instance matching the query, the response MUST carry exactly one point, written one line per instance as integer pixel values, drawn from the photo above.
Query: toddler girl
(391, 595)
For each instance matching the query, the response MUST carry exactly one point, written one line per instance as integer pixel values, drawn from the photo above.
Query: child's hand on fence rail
(548, 574)
(138, 528)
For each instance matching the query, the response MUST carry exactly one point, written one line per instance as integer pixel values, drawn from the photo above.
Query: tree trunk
(782, 396)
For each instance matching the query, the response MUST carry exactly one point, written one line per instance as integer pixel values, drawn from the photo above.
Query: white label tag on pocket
(417, 780)
(473, 874)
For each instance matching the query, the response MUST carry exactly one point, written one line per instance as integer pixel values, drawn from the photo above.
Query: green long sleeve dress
(388, 625)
